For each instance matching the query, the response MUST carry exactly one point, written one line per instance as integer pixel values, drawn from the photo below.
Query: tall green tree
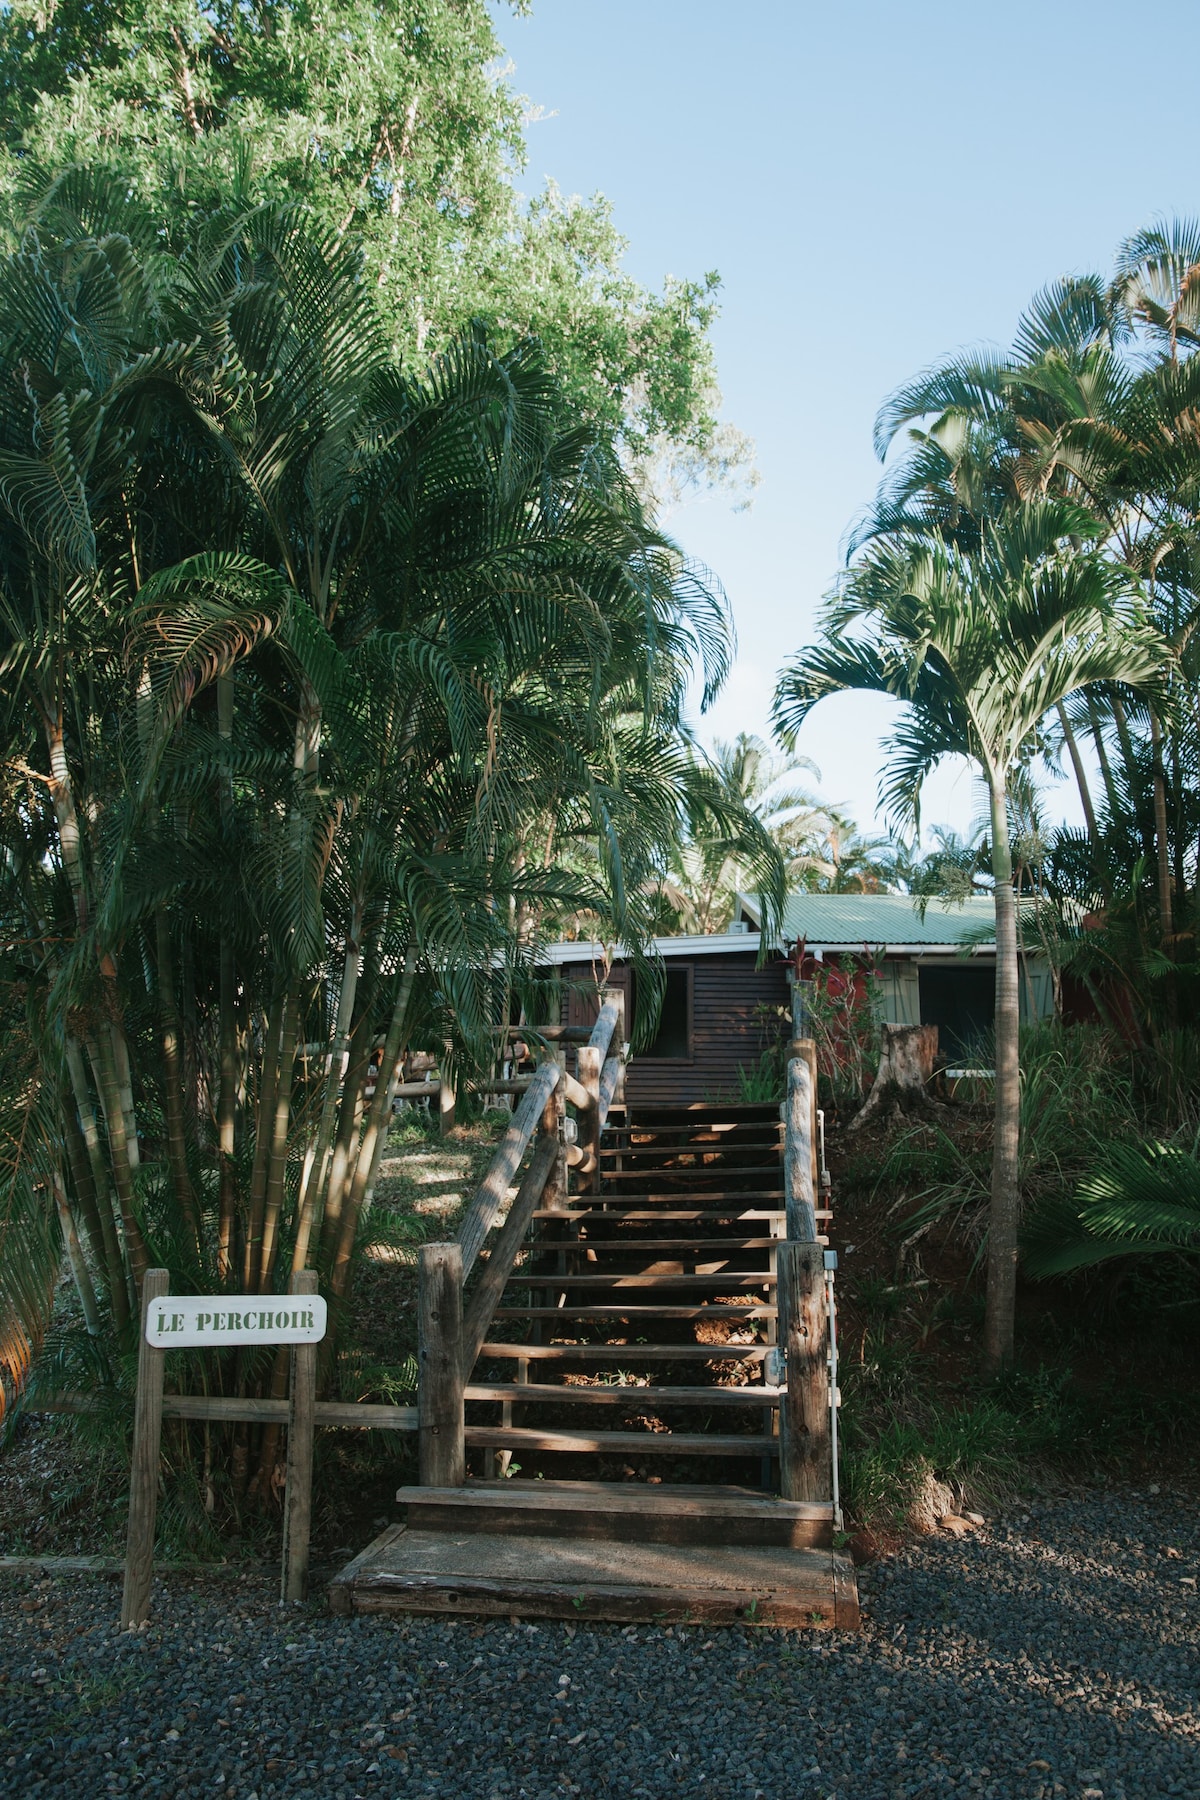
(981, 640)
(299, 649)
(399, 128)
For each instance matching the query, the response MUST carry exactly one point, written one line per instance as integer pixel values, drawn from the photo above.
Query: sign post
(143, 1471)
(297, 1494)
(213, 1321)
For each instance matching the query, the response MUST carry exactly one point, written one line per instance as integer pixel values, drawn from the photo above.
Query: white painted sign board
(191, 1321)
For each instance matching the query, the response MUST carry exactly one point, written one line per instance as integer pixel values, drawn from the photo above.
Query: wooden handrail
(606, 1024)
(233, 1409)
(805, 1462)
(490, 1283)
(798, 1153)
(481, 1213)
(610, 1079)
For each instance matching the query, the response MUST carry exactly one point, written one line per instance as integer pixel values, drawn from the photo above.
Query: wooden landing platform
(594, 1551)
(482, 1573)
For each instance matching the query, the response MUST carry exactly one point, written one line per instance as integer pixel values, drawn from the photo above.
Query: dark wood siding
(732, 1024)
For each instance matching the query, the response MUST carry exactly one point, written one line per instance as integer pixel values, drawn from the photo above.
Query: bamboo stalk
(100, 1052)
(262, 1146)
(172, 1078)
(79, 1268)
(281, 1113)
(373, 1138)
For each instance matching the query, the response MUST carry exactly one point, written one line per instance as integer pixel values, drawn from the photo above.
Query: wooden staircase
(621, 1449)
(638, 1331)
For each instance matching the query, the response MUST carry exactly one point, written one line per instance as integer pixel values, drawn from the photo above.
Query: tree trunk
(227, 1111)
(1081, 782)
(102, 1058)
(172, 1079)
(280, 1120)
(1004, 1216)
(227, 1093)
(262, 1143)
(373, 1139)
(906, 1058)
(75, 1256)
(87, 1166)
(1162, 842)
(1110, 791)
(318, 1170)
(342, 1162)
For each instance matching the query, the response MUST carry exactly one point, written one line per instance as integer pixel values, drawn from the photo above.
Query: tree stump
(906, 1062)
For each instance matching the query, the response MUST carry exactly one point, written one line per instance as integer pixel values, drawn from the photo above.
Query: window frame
(688, 971)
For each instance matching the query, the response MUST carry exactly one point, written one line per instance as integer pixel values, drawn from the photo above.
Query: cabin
(936, 967)
(720, 1010)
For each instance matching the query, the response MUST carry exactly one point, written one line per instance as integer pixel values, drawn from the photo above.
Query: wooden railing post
(442, 1449)
(799, 1152)
(297, 1498)
(447, 1097)
(806, 1467)
(555, 1193)
(143, 1472)
(587, 1069)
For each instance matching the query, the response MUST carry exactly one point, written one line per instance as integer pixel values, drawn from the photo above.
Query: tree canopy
(399, 128)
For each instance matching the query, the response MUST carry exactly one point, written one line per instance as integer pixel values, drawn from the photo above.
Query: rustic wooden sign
(191, 1321)
(171, 1321)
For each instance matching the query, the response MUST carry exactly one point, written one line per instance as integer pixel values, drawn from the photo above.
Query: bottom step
(483, 1574)
(627, 1511)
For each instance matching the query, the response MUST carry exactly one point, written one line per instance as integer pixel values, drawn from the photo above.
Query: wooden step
(649, 1137)
(734, 1280)
(636, 1309)
(627, 1355)
(665, 1513)
(769, 1152)
(610, 1443)
(630, 1245)
(707, 1196)
(620, 1393)
(649, 1117)
(724, 1170)
(621, 1211)
(495, 1574)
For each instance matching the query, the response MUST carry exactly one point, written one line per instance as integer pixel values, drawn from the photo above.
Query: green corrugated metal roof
(856, 919)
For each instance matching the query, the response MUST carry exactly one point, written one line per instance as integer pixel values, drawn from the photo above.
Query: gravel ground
(1048, 1655)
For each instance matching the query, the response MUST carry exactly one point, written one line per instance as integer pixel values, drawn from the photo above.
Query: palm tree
(749, 827)
(980, 640)
(318, 674)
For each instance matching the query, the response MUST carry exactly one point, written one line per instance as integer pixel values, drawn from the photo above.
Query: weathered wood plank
(635, 1310)
(645, 1443)
(297, 1499)
(734, 1281)
(798, 1154)
(632, 1355)
(481, 1213)
(664, 1513)
(614, 1394)
(489, 1285)
(805, 1467)
(143, 1473)
(588, 1061)
(439, 1364)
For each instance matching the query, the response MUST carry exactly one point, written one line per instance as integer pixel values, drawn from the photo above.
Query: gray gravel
(1052, 1657)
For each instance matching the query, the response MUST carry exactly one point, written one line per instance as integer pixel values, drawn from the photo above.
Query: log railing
(450, 1334)
(805, 1449)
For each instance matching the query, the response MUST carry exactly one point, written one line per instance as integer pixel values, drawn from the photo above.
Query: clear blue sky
(878, 184)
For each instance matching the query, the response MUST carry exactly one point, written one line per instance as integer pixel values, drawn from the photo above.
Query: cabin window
(673, 1039)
